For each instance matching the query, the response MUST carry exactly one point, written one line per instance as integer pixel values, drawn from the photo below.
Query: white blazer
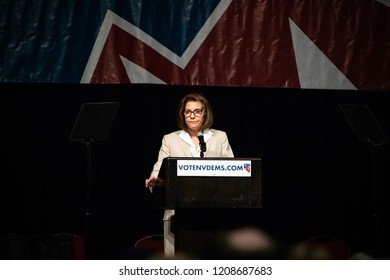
(172, 145)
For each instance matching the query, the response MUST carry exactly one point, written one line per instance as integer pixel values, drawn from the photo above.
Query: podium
(209, 195)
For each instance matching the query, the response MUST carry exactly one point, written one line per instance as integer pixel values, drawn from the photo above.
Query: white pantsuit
(179, 144)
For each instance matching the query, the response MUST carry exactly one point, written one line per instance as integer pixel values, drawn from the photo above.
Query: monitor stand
(368, 131)
(93, 123)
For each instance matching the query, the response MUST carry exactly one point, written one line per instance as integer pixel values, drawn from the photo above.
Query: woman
(194, 117)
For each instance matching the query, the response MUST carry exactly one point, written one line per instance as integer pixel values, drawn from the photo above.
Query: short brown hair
(208, 116)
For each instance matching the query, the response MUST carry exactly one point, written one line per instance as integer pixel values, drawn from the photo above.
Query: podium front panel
(210, 191)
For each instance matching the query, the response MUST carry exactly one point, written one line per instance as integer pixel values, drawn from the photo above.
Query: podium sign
(210, 182)
(214, 168)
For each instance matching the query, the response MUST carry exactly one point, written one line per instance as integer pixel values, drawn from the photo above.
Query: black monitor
(364, 124)
(94, 121)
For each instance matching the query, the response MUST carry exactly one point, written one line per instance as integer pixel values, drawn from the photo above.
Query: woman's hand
(149, 183)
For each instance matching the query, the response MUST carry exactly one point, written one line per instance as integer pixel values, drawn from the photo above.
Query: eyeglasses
(196, 112)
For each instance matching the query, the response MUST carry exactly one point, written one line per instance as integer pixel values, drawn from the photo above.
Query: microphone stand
(202, 144)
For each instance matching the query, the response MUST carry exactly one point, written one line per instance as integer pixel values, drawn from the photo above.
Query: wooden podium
(208, 195)
(212, 188)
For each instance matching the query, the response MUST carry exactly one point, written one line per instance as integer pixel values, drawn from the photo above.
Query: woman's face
(194, 114)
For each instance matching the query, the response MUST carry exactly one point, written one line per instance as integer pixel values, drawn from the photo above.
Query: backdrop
(308, 44)
(275, 72)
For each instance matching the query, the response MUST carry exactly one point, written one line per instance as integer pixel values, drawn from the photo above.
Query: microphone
(202, 144)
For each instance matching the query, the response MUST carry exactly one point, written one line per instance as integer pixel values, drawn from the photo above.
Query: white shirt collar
(207, 133)
(195, 151)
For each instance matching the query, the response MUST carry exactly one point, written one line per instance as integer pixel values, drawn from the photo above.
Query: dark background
(316, 174)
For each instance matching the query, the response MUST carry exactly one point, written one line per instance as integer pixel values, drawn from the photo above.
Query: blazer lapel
(184, 147)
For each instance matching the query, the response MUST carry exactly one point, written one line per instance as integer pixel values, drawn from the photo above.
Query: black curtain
(316, 173)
